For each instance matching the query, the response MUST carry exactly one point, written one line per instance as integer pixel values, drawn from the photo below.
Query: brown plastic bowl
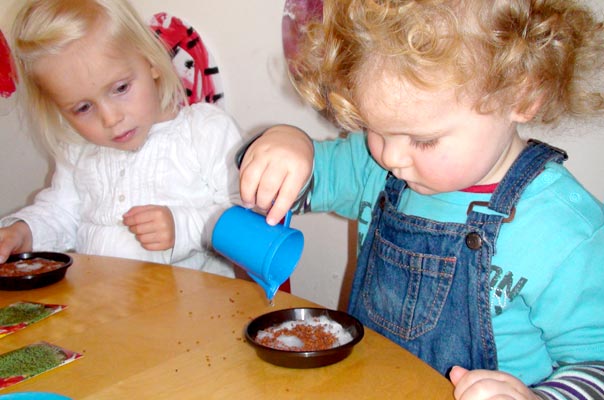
(303, 359)
(34, 281)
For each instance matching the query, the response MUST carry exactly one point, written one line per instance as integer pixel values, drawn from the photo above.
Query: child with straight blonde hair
(479, 252)
(139, 173)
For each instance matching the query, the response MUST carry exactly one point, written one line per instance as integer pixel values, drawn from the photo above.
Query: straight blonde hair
(46, 27)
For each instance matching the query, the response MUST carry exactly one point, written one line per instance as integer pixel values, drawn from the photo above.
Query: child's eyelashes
(85, 107)
(122, 88)
(416, 141)
(424, 144)
(82, 108)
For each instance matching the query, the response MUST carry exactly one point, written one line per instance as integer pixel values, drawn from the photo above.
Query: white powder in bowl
(317, 333)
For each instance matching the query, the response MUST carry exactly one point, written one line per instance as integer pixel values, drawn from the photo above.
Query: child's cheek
(376, 146)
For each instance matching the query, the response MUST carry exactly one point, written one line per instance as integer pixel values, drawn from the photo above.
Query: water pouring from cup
(269, 254)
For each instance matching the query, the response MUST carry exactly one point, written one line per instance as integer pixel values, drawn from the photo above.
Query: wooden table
(150, 331)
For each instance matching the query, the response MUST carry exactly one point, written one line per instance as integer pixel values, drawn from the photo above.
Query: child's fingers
(153, 226)
(484, 384)
(155, 241)
(5, 247)
(137, 215)
(276, 213)
(456, 374)
(250, 175)
(270, 186)
(153, 236)
(467, 379)
(5, 251)
(155, 246)
(142, 228)
(14, 239)
(260, 183)
(286, 197)
(137, 209)
(150, 238)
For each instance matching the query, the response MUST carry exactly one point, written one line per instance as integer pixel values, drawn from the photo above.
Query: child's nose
(395, 157)
(111, 115)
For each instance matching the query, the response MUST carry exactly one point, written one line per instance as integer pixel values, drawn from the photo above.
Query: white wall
(245, 38)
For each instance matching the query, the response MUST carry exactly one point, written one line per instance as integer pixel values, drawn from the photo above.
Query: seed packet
(19, 315)
(31, 360)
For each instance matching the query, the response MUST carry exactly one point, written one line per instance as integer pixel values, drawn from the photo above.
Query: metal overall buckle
(509, 218)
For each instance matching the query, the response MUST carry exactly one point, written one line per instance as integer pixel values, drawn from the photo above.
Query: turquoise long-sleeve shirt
(547, 278)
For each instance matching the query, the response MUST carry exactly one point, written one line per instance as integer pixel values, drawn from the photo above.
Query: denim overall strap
(525, 168)
(425, 284)
(523, 171)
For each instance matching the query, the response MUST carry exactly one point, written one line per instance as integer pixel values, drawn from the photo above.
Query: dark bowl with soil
(348, 330)
(33, 270)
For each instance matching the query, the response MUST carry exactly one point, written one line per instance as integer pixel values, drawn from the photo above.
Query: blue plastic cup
(269, 254)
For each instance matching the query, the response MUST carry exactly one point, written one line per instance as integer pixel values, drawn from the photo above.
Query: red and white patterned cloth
(194, 64)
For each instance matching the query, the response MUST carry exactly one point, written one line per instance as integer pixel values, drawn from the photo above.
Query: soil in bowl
(304, 337)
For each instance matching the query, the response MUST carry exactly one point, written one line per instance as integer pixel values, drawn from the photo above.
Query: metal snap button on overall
(473, 241)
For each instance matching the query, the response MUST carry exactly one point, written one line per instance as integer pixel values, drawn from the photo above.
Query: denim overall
(425, 284)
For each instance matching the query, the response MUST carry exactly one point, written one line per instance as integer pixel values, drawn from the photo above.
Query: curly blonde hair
(500, 53)
(46, 27)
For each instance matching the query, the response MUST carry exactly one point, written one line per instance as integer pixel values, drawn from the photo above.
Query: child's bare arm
(16, 238)
(276, 166)
(152, 225)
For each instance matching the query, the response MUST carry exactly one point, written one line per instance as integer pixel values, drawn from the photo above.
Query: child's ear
(523, 116)
(154, 72)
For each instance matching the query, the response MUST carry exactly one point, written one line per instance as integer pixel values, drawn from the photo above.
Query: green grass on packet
(26, 362)
(18, 315)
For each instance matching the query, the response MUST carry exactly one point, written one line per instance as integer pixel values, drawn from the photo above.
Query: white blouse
(186, 164)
